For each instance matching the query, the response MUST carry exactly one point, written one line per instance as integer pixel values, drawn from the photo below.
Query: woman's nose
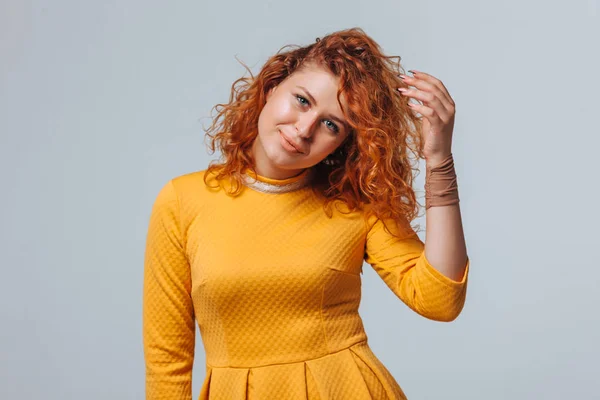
(305, 125)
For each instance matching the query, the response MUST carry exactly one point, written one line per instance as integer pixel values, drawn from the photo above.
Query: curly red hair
(373, 167)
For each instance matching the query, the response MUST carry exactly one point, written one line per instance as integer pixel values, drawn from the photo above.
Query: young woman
(265, 248)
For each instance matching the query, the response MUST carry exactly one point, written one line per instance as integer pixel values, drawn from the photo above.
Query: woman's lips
(287, 145)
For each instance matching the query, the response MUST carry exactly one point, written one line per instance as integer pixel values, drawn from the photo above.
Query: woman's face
(303, 109)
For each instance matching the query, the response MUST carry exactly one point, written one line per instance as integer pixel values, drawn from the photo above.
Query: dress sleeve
(402, 265)
(168, 313)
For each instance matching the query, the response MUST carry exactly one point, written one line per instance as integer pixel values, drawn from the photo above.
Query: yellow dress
(275, 286)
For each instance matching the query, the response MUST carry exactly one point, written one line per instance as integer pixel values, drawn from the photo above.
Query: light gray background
(101, 103)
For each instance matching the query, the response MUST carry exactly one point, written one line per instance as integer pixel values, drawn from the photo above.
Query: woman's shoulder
(188, 194)
(192, 183)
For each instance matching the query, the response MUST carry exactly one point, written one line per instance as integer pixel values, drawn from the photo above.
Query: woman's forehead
(317, 79)
(312, 69)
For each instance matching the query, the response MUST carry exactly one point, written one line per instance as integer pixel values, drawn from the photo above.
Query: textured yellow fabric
(274, 286)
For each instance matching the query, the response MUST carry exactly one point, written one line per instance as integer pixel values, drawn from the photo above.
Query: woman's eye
(302, 100)
(332, 126)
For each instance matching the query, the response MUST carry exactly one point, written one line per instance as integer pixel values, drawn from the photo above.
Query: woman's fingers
(431, 85)
(430, 100)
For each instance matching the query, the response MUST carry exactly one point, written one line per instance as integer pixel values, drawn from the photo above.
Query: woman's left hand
(438, 110)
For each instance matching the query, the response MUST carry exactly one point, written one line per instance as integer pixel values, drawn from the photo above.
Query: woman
(265, 249)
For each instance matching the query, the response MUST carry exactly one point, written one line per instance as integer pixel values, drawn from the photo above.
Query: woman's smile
(285, 143)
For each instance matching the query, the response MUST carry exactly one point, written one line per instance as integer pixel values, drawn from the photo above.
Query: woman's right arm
(168, 313)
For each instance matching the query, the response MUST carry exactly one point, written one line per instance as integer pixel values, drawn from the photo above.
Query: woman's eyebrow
(310, 96)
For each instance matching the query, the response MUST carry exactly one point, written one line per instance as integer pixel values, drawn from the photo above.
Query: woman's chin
(281, 157)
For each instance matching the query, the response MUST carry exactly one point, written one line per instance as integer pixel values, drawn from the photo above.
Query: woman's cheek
(286, 110)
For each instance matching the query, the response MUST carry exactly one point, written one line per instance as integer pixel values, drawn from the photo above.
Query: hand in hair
(437, 109)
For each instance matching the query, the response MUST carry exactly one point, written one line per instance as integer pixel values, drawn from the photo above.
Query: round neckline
(264, 184)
